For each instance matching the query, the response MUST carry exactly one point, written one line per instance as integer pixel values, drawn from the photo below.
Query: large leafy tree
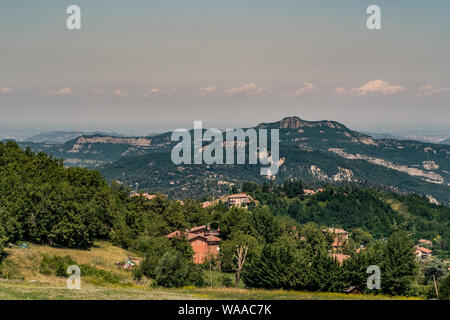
(228, 249)
(173, 270)
(42, 201)
(273, 269)
(398, 265)
(266, 224)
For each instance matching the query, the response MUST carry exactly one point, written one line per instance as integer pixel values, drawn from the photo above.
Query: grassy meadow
(21, 279)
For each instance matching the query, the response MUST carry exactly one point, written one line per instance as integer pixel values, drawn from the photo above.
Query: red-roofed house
(340, 239)
(423, 253)
(206, 204)
(176, 234)
(204, 241)
(239, 200)
(425, 242)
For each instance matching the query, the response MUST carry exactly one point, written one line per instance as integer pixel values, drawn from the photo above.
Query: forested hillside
(43, 202)
(378, 211)
(313, 151)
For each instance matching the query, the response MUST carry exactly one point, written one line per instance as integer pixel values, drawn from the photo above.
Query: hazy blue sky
(234, 61)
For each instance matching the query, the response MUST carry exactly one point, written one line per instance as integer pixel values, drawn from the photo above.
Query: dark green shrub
(174, 270)
(154, 250)
(226, 281)
(137, 273)
(98, 276)
(55, 265)
(195, 276)
(58, 265)
(444, 288)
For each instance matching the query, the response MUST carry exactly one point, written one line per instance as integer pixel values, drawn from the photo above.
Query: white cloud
(249, 89)
(120, 93)
(159, 92)
(430, 90)
(152, 92)
(5, 90)
(207, 90)
(307, 88)
(62, 92)
(370, 88)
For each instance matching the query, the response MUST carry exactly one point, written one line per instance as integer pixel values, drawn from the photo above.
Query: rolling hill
(318, 152)
(93, 150)
(59, 137)
(314, 151)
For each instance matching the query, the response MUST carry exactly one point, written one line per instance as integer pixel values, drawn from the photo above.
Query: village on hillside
(206, 241)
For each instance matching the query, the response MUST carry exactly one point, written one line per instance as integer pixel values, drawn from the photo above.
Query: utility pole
(210, 272)
(210, 257)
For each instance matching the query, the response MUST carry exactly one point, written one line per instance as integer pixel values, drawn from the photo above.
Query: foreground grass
(22, 290)
(22, 281)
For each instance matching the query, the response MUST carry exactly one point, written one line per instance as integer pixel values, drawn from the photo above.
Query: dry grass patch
(24, 263)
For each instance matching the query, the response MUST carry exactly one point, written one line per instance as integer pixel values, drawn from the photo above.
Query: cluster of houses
(206, 241)
(240, 200)
(424, 249)
(243, 200)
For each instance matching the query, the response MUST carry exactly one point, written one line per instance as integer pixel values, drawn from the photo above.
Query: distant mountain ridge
(59, 137)
(92, 150)
(315, 151)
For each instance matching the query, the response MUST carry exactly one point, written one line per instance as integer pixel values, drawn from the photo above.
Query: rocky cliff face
(83, 142)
